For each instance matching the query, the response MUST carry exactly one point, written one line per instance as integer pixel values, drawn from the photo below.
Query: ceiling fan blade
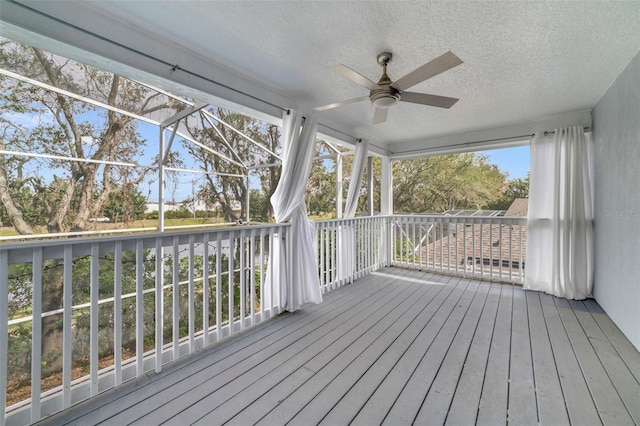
(432, 68)
(380, 115)
(339, 104)
(354, 76)
(431, 100)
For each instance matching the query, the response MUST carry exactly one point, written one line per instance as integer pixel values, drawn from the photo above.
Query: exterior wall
(616, 132)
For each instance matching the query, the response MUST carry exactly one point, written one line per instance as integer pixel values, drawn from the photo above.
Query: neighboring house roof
(519, 208)
(496, 245)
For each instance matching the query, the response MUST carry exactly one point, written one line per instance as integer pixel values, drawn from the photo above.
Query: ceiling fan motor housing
(385, 97)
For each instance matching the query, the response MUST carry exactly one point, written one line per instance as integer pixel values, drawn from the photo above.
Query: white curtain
(560, 225)
(346, 235)
(295, 277)
(357, 169)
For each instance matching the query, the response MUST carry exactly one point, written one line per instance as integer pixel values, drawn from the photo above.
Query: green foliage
(220, 187)
(404, 250)
(257, 209)
(59, 127)
(124, 204)
(177, 214)
(436, 184)
(516, 188)
(320, 195)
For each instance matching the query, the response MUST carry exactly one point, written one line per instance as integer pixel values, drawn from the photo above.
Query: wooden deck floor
(399, 347)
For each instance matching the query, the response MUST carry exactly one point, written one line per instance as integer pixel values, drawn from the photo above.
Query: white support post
(36, 335)
(248, 197)
(386, 187)
(370, 185)
(338, 186)
(4, 332)
(161, 181)
(94, 291)
(386, 205)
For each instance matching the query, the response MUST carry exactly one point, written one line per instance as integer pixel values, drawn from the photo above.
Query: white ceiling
(523, 61)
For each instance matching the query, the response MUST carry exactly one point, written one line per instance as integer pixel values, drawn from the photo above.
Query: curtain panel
(346, 234)
(294, 268)
(559, 257)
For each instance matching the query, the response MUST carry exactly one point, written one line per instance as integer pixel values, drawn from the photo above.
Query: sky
(514, 161)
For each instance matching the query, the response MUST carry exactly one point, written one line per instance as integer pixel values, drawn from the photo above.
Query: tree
(68, 128)
(219, 186)
(125, 204)
(516, 188)
(320, 194)
(437, 184)
(63, 127)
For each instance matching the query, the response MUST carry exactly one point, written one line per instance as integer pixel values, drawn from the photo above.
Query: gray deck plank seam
(337, 344)
(389, 379)
(541, 390)
(360, 310)
(357, 362)
(397, 411)
(494, 387)
(154, 380)
(473, 314)
(610, 406)
(623, 380)
(456, 407)
(347, 399)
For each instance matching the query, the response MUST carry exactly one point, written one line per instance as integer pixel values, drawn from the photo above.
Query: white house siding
(616, 131)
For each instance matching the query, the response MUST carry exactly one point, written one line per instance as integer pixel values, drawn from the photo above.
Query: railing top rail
(354, 219)
(225, 231)
(495, 219)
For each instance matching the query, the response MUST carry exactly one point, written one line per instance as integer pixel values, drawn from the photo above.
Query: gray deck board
(464, 406)
(291, 354)
(327, 356)
(398, 347)
(440, 394)
(493, 406)
(381, 333)
(608, 403)
(407, 405)
(359, 391)
(626, 385)
(385, 395)
(580, 405)
(521, 383)
(627, 353)
(550, 401)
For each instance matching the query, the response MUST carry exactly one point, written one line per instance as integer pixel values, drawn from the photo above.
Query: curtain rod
(551, 132)
(175, 67)
(472, 144)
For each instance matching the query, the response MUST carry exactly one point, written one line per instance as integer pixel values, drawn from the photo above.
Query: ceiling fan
(386, 93)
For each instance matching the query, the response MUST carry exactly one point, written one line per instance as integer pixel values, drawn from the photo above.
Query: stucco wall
(616, 132)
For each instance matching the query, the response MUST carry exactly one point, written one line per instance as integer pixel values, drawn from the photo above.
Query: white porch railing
(85, 293)
(362, 240)
(491, 248)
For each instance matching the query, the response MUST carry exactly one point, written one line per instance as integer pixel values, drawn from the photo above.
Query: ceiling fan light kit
(384, 98)
(386, 93)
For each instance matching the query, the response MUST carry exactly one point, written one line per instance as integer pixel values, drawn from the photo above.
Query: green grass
(142, 223)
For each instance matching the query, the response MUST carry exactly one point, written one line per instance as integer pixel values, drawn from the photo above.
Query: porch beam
(497, 137)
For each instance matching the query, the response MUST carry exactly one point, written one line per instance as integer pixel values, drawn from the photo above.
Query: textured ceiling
(522, 60)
